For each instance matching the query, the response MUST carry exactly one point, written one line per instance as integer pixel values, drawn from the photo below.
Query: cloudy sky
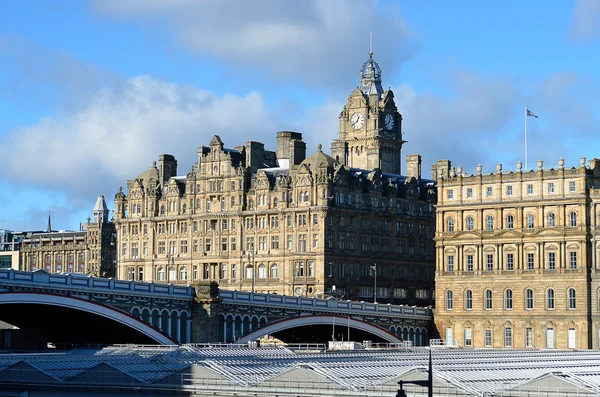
(91, 92)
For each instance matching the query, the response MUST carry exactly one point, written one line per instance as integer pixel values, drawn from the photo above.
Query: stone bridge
(77, 308)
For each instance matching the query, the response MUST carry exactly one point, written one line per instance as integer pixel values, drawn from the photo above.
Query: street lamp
(374, 268)
(251, 256)
(170, 262)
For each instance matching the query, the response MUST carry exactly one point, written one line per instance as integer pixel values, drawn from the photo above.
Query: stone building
(516, 255)
(90, 250)
(281, 222)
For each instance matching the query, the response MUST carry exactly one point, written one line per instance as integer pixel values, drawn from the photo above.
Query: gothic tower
(370, 133)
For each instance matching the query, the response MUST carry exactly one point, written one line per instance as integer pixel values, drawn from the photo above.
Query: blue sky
(92, 92)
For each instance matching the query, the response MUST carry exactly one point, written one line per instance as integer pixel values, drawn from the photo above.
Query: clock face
(357, 121)
(389, 122)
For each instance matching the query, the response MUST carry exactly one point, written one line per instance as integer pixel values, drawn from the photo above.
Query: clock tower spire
(370, 125)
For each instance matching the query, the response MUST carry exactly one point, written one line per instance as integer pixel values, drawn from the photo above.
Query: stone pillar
(205, 310)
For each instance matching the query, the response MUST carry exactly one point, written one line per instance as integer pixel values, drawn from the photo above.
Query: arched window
(490, 222)
(449, 300)
(550, 299)
(510, 222)
(450, 224)
(172, 274)
(274, 270)
(573, 219)
(262, 271)
(488, 299)
(572, 299)
(508, 299)
(470, 223)
(275, 202)
(183, 273)
(551, 219)
(160, 274)
(529, 299)
(530, 221)
(468, 300)
(306, 196)
(249, 272)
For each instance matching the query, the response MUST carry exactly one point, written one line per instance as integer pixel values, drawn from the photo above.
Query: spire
(370, 74)
(100, 211)
(49, 223)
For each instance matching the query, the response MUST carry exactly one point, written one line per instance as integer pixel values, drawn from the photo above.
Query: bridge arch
(97, 309)
(304, 321)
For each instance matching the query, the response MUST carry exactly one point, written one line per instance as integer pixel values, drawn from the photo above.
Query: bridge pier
(205, 310)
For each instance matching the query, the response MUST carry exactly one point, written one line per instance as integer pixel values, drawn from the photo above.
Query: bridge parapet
(300, 303)
(74, 281)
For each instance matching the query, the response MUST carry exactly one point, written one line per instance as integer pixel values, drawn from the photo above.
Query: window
(468, 337)
(573, 219)
(274, 271)
(449, 300)
(468, 300)
(233, 271)
(550, 187)
(572, 260)
(508, 299)
(490, 222)
(510, 222)
(310, 268)
(551, 219)
(529, 190)
(528, 337)
(529, 299)
(509, 191)
(530, 221)
(489, 262)
(549, 338)
(507, 337)
(274, 242)
(183, 273)
(572, 299)
(160, 274)
(551, 260)
(172, 274)
(550, 299)
(487, 338)
(469, 263)
(262, 271)
(572, 186)
(510, 262)
(450, 194)
(469, 193)
(450, 224)
(450, 263)
(489, 191)
(530, 261)
(488, 299)
(249, 272)
(470, 223)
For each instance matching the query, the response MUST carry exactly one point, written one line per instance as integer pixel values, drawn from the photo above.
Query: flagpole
(526, 165)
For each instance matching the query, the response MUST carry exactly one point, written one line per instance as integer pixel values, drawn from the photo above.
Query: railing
(73, 281)
(443, 343)
(341, 306)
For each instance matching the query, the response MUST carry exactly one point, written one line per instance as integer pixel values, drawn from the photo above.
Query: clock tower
(370, 133)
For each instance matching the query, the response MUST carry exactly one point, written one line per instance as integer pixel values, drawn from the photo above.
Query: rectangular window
(223, 245)
(572, 186)
(233, 272)
(549, 338)
(315, 219)
(469, 193)
(571, 339)
(468, 337)
(509, 191)
(315, 243)
(233, 244)
(487, 339)
(450, 194)
(161, 247)
(550, 187)
(507, 337)
(528, 337)
(469, 263)
(551, 260)
(450, 263)
(135, 254)
(274, 242)
(529, 190)
(208, 245)
(223, 272)
(572, 260)
(489, 191)
(510, 262)
(289, 242)
(310, 268)
(489, 262)
(530, 262)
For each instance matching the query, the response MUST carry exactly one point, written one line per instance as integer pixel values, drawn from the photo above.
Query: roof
(100, 204)
(475, 372)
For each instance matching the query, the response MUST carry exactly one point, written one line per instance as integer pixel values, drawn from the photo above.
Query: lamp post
(170, 262)
(251, 254)
(374, 268)
(423, 383)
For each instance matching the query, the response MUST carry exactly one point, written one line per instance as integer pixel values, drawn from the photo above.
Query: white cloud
(586, 20)
(121, 130)
(310, 41)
